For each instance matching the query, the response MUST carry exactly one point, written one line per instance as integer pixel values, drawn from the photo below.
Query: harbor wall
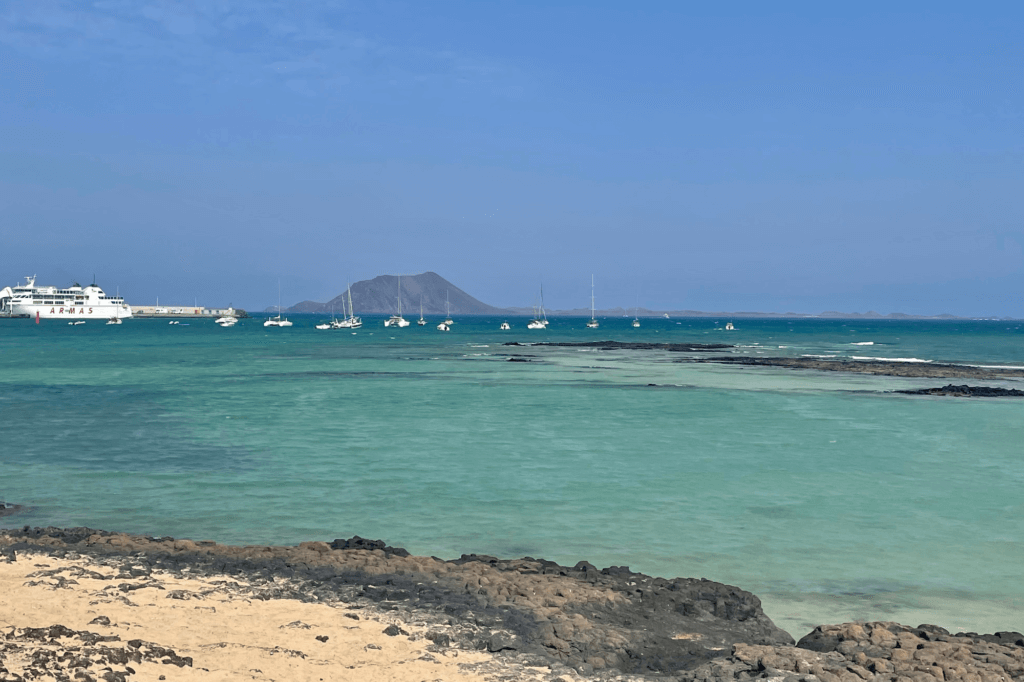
(185, 311)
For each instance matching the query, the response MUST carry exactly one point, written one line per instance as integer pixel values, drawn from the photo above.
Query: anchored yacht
(540, 318)
(73, 303)
(593, 323)
(397, 320)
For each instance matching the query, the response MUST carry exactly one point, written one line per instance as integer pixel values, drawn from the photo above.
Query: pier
(185, 311)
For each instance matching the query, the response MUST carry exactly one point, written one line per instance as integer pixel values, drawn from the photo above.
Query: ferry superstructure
(73, 303)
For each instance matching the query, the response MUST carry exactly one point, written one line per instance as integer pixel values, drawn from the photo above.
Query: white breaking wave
(863, 343)
(861, 357)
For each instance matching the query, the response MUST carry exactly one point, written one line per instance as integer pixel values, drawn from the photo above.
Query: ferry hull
(84, 312)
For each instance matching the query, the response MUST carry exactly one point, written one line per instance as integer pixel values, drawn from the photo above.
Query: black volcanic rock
(379, 296)
(629, 345)
(875, 652)
(966, 391)
(7, 509)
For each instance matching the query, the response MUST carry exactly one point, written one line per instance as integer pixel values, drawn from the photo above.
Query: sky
(742, 156)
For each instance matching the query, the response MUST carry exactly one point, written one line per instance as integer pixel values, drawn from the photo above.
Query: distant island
(379, 296)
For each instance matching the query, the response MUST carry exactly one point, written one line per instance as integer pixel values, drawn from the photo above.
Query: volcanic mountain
(379, 296)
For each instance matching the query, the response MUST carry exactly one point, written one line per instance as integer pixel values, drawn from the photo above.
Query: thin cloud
(228, 39)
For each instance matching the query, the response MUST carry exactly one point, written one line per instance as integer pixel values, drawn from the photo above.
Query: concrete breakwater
(535, 615)
(145, 311)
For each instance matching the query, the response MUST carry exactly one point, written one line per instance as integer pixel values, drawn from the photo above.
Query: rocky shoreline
(883, 367)
(535, 618)
(965, 391)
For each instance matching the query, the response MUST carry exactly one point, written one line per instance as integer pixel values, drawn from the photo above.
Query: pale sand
(228, 636)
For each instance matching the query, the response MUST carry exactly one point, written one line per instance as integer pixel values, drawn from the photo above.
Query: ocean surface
(825, 494)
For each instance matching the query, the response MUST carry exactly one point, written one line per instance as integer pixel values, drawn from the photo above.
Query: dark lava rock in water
(356, 542)
(627, 345)
(6, 509)
(966, 391)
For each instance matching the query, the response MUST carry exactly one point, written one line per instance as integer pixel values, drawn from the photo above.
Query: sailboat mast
(351, 310)
(399, 295)
(591, 296)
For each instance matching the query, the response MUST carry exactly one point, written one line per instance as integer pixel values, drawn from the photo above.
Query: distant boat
(447, 310)
(397, 320)
(505, 326)
(443, 327)
(636, 312)
(421, 321)
(227, 321)
(350, 322)
(593, 323)
(278, 322)
(540, 319)
(729, 327)
(116, 319)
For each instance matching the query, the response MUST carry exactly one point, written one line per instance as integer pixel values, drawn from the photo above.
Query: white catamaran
(277, 321)
(73, 303)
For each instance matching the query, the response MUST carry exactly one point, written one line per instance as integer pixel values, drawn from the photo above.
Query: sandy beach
(202, 629)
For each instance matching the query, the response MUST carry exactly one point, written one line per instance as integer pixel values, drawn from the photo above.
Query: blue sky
(713, 156)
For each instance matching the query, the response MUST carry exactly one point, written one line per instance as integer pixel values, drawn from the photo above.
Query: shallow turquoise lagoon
(825, 494)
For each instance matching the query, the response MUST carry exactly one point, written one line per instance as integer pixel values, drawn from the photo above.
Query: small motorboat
(505, 326)
(443, 327)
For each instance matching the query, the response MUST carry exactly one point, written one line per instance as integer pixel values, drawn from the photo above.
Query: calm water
(824, 494)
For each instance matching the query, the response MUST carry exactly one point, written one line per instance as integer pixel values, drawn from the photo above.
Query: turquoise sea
(823, 493)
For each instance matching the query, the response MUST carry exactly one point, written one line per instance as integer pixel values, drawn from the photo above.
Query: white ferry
(73, 303)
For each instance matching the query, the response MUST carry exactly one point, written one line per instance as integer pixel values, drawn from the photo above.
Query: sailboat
(636, 312)
(540, 320)
(447, 309)
(421, 321)
(350, 322)
(397, 320)
(593, 323)
(116, 319)
(278, 322)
